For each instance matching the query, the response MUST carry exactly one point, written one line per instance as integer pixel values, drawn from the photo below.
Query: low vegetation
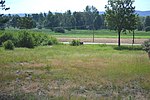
(27, 38)
(8, 45)
(85, 33)
(75, 43)
(146, 47)
(64, 72)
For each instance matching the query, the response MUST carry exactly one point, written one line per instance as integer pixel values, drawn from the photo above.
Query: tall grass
(83, 72)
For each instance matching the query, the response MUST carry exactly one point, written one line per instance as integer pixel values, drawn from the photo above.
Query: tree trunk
(149, 55)
(93, 32)
(133, 38)
(119, 32)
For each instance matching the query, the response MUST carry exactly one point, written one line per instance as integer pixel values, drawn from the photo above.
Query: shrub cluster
(146, 46)
(76, 43)
(27, 39)
(6, 36)
(8, 45)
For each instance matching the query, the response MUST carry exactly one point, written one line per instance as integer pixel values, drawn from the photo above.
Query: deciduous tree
(3, 20)
(119, 15)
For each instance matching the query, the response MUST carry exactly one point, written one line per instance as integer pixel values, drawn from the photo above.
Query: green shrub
(6, 36)
(59, 30)
(147, 28)
(50, 41)
(26, 40)
(39, 38)
(75, 42)
(54, 40)
(8, 45)
(146, 46)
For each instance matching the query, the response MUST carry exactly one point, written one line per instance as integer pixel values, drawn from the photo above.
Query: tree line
(88, 19)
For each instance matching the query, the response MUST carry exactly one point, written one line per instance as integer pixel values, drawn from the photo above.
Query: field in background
(89, 33)
(85, 72)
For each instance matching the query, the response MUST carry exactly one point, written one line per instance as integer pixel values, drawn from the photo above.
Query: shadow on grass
(128, 48)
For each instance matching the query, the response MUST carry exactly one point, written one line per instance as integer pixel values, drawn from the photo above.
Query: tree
(48, 20)
(132, 22)
(14, 22)
(79, 20)
(140, 23)
(90, 15)
(68, 20)
(26, 22)
(3, 20)
(147, 23)
(98, 22)
(118, 13)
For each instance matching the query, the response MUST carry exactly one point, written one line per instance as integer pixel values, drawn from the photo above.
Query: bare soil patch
(103, 40)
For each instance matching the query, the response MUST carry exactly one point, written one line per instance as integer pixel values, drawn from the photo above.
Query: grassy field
(64, 72)
(89, 33)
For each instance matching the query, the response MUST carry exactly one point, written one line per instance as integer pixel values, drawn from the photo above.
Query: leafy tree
(68, 20)
(132, 22)
(14, 22)
(147, 21)
(98, 22)
(90, 16)
(79, 20)
(52, 20)
(3, 20)
(48, 20)
(118, 13)
(140, 23)
(26, 23)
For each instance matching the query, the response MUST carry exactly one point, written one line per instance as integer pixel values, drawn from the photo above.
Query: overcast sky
(37, 6)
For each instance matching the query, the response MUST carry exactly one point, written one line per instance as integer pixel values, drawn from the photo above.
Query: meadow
(64, 72)
(88, 33)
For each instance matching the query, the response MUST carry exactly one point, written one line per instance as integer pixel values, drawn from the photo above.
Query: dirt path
(103, 40)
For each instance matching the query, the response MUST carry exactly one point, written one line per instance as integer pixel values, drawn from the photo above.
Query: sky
(37, 6)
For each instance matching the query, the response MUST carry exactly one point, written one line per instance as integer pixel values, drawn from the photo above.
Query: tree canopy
(3, 20)
(120, 15)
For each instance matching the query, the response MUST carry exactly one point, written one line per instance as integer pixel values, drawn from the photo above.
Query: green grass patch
(87, 33)
(83, 72)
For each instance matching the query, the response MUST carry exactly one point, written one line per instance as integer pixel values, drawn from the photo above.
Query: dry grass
(84, 72)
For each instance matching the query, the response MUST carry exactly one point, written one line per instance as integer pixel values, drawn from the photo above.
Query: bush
(50, 41)
(39, 38)
(6, 36)
(146, 46)
(59, 30)
(147, 28)
(75, 42)
(8, 45)
(54, 40)
(26, 40)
